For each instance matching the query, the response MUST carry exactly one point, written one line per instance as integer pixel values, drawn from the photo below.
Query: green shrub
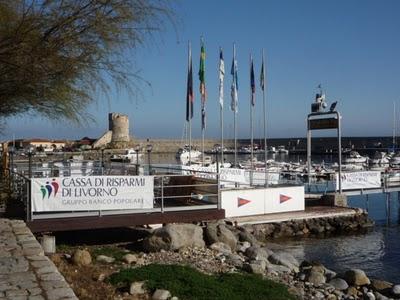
(187, 283)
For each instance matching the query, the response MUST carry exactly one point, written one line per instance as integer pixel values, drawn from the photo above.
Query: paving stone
(41, 263)
(36, 297)
(60, 293)
(25, 273)
(34, 291)
(16, 293)
(37, 258)
(49, 285)
(28, 285)
(51, 276)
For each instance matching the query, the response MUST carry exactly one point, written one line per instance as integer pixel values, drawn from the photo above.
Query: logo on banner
(49, 189)
(242, 202)
(284, 198)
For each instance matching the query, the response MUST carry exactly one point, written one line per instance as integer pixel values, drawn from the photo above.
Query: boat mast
(264, 119)
(234, 113)
(190, 107)
(394, 127)
(251, 124)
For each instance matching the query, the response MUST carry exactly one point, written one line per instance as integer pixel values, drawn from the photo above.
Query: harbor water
(377, 251)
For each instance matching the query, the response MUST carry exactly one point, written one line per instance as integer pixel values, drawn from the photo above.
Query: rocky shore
(220, 247)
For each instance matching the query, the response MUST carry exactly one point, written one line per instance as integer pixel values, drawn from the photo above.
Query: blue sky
(351, 47)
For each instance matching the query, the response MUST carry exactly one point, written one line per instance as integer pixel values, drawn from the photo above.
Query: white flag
(234, 87)
(221, 78)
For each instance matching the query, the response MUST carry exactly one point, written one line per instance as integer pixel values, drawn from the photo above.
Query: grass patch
(111, 251)
(187, 283)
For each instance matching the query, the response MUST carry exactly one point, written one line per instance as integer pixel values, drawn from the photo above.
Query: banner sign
(92, 193)
(231, 175)
(226, 174)
(359, 180)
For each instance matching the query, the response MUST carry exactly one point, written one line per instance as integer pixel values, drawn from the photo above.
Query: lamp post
(102, 161)
(30, 153)
(137, 149)
(11, 153)
(149, 148)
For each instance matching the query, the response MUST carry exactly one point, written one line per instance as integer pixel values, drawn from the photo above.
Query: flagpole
(251, 126)
(203, 96)
(221, 95)
(190, 108)
(234, 116)
(265, 120)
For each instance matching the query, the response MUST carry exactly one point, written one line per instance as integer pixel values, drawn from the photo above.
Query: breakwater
(312, 227)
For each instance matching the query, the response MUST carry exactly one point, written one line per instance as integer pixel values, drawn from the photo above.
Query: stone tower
(118, 124)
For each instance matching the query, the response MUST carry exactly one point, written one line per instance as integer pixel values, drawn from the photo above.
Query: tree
(54, 54)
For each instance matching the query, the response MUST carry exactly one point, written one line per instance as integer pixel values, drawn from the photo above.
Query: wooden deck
(124, 220)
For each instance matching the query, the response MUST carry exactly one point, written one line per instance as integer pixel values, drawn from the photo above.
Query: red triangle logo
(242, 201)
(284, 198)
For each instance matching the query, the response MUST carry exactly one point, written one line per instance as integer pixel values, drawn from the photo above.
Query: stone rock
(221, 248)
(256, 267)
(277, 269)
(339, 284)
(396, 290)
(319, 295)
(245, 236)
(369, 296)
(137, 288)
(285, 259)
(82, 258)
(174, 298)
(242, 247)
(161, 295)
(356, 277)
(235, 260)
(215, 232)
(105, 259)
(380, 285)
(174, 237)
(329, 274)
(257, 253)
(316, 278)
(331, 297)
(130, 258)
(352, 291)
(379, 296)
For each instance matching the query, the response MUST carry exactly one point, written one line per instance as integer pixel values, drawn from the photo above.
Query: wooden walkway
(124, 220)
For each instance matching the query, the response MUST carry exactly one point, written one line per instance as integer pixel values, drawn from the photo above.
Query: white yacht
(380, 159)
(282, 150)
(355, 158)
(184, 153)
(395, 160)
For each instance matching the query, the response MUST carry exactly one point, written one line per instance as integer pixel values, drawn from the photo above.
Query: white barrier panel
(262, 201)
(92, 193)
(359, 180)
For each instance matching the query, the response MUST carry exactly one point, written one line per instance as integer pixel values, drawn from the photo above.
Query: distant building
(46, 144)
(85, 143)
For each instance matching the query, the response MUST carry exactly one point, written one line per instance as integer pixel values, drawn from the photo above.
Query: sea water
(377, 252)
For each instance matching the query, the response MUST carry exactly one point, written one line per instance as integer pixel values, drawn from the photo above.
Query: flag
(262, 75)
(234, 87)
(252, 83)
(202, 85)
(221, 78)
(189, 90)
